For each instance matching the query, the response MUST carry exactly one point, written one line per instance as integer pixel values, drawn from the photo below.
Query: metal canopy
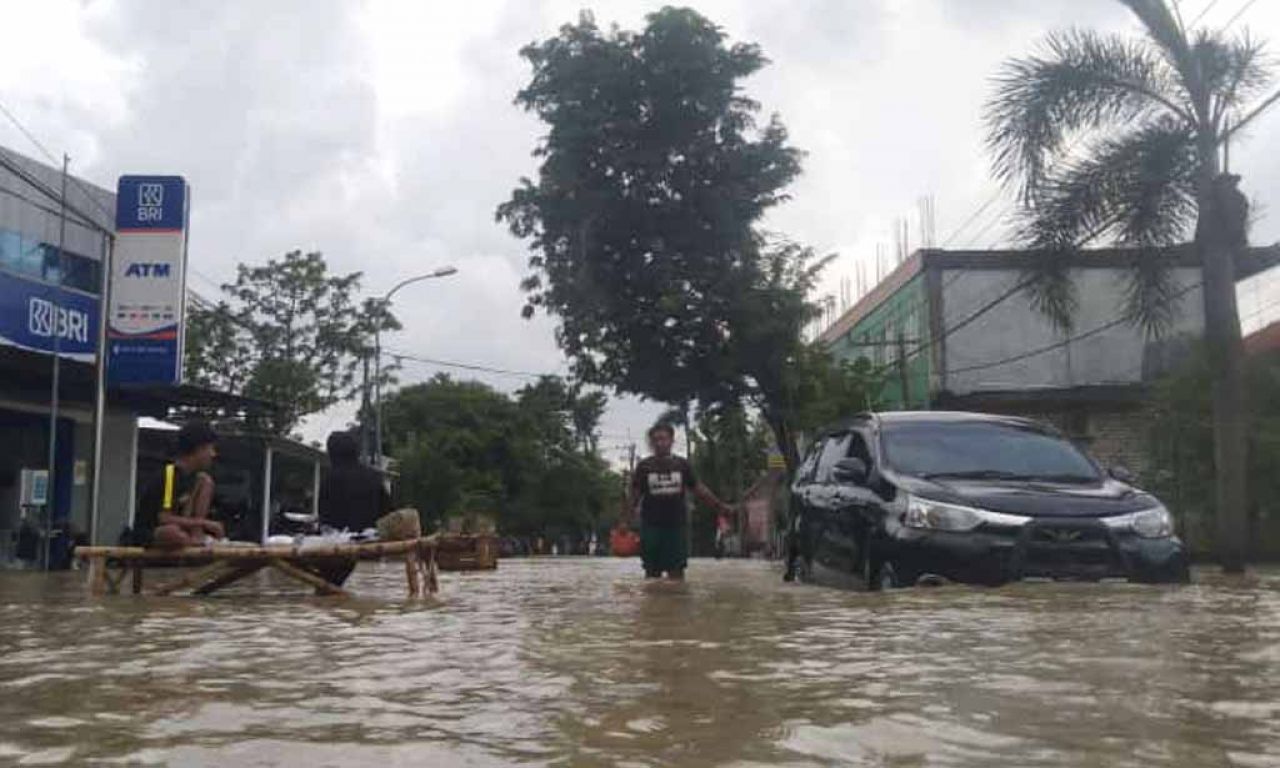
(158, 401)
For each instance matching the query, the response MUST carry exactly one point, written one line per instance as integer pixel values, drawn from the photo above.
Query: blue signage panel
(148, 281)
(32, 314)
(151, 202)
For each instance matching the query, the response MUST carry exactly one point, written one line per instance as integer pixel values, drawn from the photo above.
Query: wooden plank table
(225, 565)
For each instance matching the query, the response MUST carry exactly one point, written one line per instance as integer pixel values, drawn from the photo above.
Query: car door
(798, 523)
(822, 505)
(852, 508)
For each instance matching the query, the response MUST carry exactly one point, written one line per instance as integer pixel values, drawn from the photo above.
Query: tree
(290, 333)
(569, 415)
(1155, 115)
(465, 448)
(1182, 470)
(643, 221)
(215, 356)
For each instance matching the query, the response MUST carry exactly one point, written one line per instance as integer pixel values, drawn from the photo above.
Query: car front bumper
(1053, 548)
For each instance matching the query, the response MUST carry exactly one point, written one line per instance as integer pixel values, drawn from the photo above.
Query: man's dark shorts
(662, 548)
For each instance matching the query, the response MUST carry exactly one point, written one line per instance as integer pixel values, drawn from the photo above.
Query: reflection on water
(576, 662)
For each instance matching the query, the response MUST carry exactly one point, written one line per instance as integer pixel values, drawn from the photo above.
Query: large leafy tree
(1122, 138)
(288, 332)
(644, 217)
(464, 448)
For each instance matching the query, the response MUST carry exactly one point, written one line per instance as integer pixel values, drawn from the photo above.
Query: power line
(49, 156)
(465, 366)
(956, 232)
(1203, 13)
(47, 209)
(1248, 4)
(35, 183)
(1062, 343)
(1260, 309)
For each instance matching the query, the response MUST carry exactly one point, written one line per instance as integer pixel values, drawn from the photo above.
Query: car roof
(929, 417)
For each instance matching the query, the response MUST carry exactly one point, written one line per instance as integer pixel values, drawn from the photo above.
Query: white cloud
(384, 133)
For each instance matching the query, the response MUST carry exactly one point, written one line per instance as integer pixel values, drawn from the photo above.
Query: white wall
(1119, 355)
(119, 464)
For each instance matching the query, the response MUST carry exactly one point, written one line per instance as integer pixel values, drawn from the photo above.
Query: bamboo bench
(226, 565)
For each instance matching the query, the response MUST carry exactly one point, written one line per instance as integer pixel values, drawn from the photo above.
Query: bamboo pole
(411, 568)
(227, 578)
(192, 578)
(372, 551)
(308, 578)
(98, 575)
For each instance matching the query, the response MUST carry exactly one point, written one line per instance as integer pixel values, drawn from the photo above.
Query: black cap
(343, 448)
(193, 435)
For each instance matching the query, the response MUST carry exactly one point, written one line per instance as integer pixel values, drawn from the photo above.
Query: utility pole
(384, 307)
(366, 440)
(51, 496)
(903, 376)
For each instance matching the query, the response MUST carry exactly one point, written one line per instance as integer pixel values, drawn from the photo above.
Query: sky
(384, 134)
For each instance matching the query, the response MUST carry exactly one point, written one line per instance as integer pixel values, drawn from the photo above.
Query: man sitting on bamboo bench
(174, 510)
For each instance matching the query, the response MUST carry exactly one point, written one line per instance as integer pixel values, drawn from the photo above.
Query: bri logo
(71, 324)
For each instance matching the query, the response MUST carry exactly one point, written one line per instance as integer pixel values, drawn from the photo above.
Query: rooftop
(1254, 261)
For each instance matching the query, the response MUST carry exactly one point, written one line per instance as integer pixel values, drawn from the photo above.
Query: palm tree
(1120, 138)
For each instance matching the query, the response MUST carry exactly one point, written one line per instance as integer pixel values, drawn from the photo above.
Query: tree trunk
(1220, 236)
(785, 438)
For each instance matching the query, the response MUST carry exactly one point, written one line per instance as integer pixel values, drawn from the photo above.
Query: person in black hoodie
(352, 497)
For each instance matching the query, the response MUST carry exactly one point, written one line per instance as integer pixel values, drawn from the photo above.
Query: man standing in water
(174, 510)
(659, 487)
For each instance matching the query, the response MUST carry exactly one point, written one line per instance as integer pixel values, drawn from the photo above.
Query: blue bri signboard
(148, 281)
(32, 313)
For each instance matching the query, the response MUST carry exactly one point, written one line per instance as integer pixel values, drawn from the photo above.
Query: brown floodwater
(576, 662)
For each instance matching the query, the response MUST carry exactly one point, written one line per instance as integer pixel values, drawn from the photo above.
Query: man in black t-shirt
(353, 496)
(659, 488)
(174, 509)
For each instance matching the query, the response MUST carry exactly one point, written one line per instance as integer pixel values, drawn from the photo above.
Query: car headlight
(1154, 523)
(933, 515)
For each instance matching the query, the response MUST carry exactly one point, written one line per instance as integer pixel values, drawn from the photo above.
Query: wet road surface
(576, 662)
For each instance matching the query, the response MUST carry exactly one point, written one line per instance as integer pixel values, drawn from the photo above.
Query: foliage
(290, 333)
(1181, 448)
(643, 218)
(733, 450)
(1105, 136)
(1153, 116)
(829, 389)
(526, 460)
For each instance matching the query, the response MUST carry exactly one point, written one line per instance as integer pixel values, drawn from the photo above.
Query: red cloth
(624, 542)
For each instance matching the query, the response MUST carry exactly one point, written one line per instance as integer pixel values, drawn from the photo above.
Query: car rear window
(983, 449)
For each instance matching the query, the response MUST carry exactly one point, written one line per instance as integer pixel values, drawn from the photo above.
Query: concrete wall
(38, 216)
(1119, 355)
(903, 313)
(119, 466)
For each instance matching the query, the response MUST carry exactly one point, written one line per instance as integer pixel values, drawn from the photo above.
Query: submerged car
(896, 499)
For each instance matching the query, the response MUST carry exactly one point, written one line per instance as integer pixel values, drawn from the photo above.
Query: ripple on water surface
(577, 662)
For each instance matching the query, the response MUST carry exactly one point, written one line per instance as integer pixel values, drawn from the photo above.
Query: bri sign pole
(145, 319)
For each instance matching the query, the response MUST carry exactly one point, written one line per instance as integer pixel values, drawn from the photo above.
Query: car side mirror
(1121, 473)
(851, 470)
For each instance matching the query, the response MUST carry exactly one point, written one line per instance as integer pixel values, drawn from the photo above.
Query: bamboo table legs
(421, 572)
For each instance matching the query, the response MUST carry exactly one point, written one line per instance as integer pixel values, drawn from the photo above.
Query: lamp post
(377, 353)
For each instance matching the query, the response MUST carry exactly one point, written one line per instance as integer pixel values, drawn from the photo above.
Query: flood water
(576, 662)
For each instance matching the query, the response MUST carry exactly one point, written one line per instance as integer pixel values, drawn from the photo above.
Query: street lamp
(377, 352)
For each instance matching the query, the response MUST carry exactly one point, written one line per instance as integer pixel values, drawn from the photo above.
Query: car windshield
(981, 450)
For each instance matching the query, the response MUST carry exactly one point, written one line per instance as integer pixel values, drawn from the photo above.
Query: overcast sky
(384, 134)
